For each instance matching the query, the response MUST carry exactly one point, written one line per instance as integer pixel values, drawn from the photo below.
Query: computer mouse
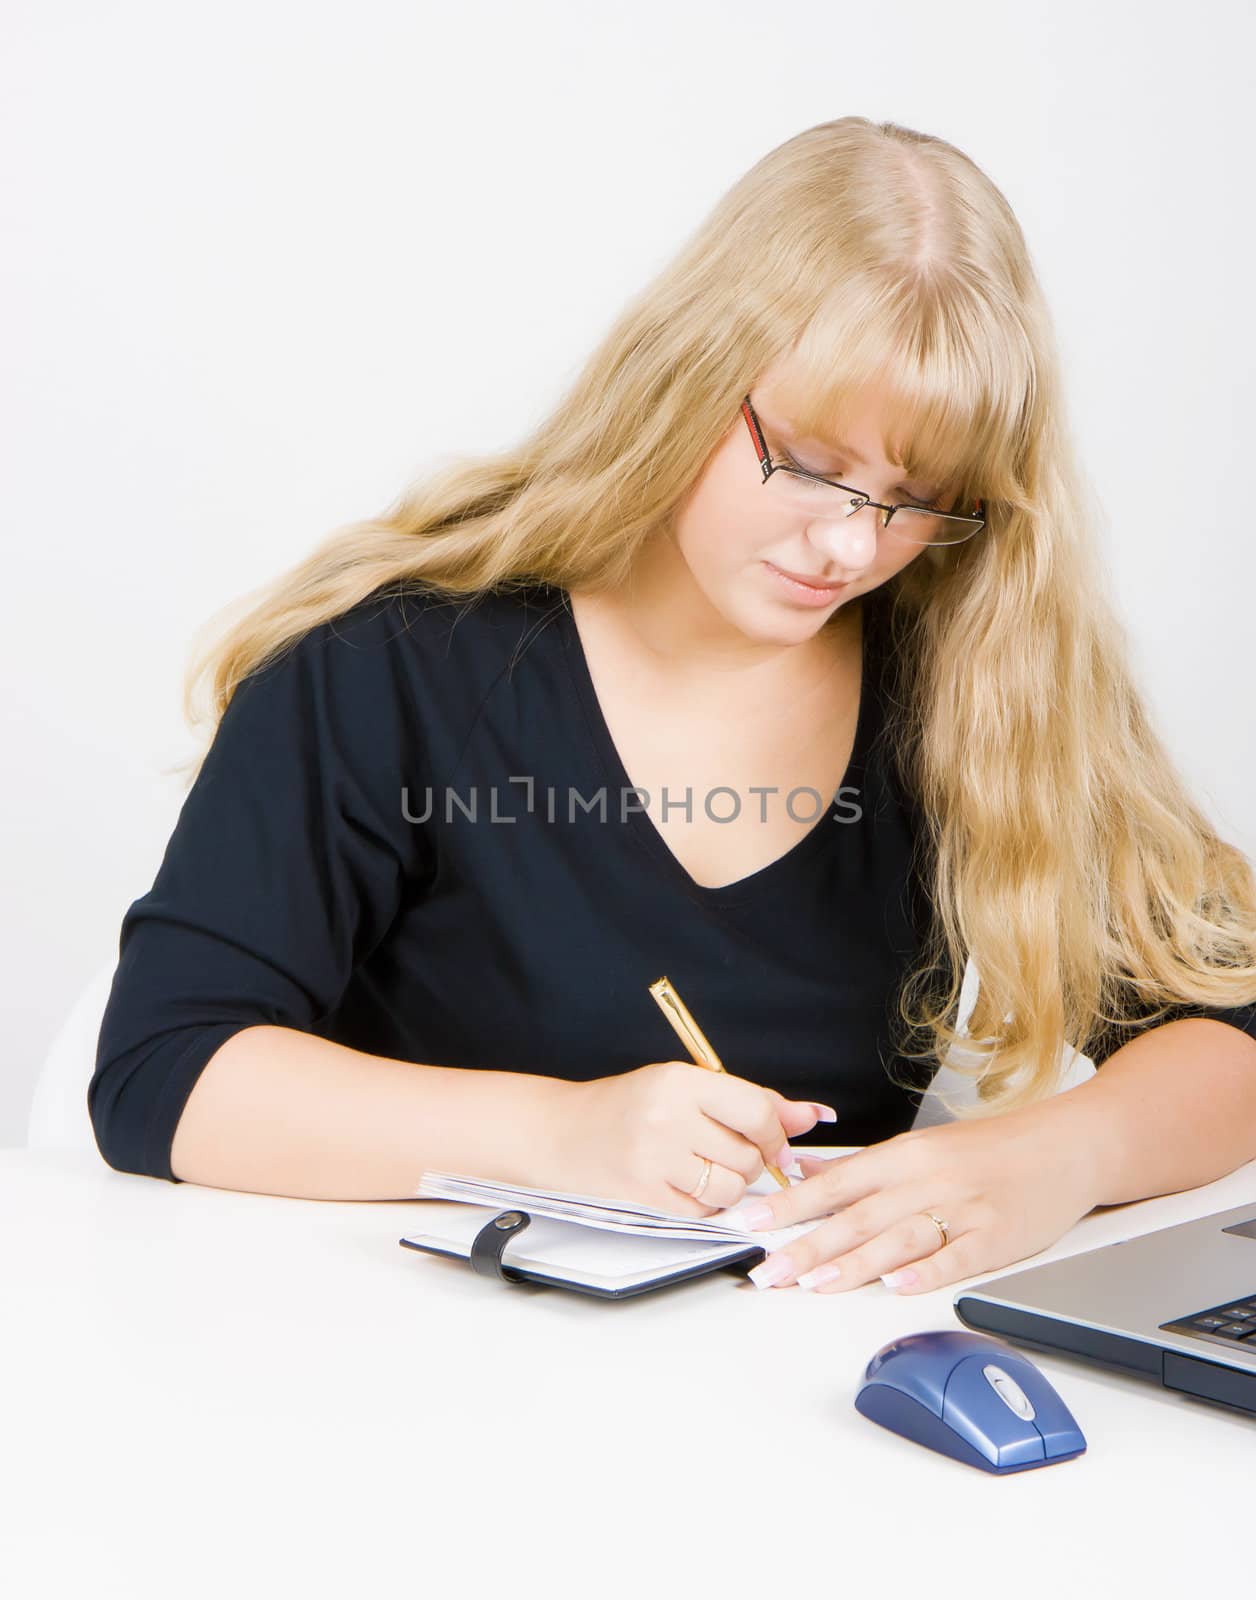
(971, 1397)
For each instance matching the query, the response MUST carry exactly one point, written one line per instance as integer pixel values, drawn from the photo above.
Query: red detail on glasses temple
(750, 418)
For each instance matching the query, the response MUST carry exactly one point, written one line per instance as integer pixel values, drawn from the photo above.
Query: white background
(264, 263)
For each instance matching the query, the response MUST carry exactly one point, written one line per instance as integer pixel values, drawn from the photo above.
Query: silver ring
(940, 1226)
(704, 1180)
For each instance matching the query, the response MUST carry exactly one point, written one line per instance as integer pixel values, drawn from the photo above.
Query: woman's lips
(812, 589)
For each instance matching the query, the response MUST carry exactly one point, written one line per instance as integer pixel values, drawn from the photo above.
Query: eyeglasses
(805, 491)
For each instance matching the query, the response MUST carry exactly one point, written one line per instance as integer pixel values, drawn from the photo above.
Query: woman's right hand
(642, 1136)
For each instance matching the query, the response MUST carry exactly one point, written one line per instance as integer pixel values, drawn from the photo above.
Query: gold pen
(695, 1041)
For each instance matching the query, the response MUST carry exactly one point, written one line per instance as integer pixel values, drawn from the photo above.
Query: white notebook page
(589, 1239)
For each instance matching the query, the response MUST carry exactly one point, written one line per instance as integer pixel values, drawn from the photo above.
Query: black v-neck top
(778, 874)
(396, 842)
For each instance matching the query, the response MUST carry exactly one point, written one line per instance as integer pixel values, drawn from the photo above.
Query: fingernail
(772, 1270)
(896, 1280)
(787, 1161)
(824, 1113)
(753, 1215)
(822, 1274)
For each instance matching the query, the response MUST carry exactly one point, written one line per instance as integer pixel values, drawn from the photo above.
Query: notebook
(591, 1244)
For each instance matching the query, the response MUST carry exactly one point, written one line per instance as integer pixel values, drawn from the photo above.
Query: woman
(345, 972)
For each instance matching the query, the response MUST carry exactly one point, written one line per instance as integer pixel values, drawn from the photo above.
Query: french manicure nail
(824, 1113)
(771, 1271)
(754, 1214)
(822, 1274)
(897, 1280)
(787, 1161)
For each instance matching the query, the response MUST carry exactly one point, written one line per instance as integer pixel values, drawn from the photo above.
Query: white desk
(212, 1393)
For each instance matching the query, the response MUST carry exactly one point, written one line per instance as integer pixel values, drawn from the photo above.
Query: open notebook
(599, 1246)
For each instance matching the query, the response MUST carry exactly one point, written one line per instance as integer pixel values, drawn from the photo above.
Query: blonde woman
(777, 660)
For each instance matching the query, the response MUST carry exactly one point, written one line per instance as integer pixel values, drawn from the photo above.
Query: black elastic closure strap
(486, 1251)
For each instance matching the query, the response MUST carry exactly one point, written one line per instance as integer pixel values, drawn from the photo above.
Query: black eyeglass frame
(858, 498)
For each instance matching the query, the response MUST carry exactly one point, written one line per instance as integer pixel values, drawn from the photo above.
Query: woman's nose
(850, 540)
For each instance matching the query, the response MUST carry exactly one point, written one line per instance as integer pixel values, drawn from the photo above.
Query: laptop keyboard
(1233, 1321)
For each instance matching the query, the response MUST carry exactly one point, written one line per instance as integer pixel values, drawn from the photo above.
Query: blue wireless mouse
(970, 1397)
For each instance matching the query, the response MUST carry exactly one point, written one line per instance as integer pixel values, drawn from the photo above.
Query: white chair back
(962, 1090)
(58, 1116)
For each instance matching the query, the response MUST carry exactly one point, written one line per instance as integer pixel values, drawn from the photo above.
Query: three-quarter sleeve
(285, 869)
(1112, 1038)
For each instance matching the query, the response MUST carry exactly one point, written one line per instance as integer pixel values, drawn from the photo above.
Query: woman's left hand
(1006, 1187)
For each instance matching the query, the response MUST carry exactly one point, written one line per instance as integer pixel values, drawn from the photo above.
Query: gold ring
(702, 1182)
(940, 1226)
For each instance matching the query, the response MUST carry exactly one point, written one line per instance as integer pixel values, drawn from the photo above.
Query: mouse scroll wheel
(1009, 1391)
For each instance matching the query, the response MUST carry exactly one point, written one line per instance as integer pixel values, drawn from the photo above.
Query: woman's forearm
(277, 1111)
(1172, 1109)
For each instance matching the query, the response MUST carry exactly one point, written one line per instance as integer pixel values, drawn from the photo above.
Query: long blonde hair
(1064, 855)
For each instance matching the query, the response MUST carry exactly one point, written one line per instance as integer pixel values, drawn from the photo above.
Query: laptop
(1176, 1306)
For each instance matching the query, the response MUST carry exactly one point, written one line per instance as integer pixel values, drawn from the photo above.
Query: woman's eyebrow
(837, 449)
(828, 446)
(796, 436)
